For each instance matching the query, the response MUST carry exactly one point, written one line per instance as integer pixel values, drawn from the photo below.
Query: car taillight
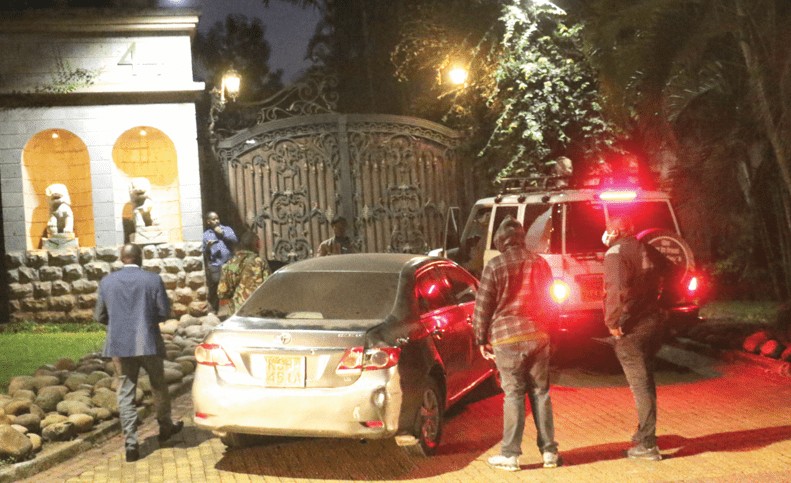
(356, 360)
(559, 291)
(692, 285)
(625, 195)
(212, 355)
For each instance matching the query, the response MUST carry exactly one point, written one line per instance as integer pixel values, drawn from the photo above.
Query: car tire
(238, 440)
(671, 245)
(428, 421)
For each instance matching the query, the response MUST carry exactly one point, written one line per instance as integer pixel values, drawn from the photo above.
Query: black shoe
(166, 432)
(132, 455)
(640, 452)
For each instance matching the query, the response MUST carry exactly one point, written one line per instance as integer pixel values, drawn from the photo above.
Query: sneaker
(551, 460)
(167, 431)
(640, 452)
(507, 463)
(132, 455)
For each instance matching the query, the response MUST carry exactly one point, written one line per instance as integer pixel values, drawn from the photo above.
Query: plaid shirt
(513, 299)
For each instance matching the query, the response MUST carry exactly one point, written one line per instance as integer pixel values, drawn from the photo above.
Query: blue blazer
(131, 303)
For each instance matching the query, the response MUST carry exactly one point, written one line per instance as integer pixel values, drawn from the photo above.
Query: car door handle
(469, 319)
(437, 334)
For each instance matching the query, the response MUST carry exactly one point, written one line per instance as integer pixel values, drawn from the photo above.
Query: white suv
(565, 223)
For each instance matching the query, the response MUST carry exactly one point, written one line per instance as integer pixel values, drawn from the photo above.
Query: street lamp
(458, 75)
(229, 86)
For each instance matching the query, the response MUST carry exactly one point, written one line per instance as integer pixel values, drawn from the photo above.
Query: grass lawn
(22, 353)
(746, 312)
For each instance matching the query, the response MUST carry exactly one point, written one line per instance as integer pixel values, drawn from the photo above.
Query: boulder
(68, 408)
(25, 394)
(63, 431)
(75, 380)
(42, 381)
(82, 422)
(754, 342)
(79, 396)
(53, 418)
(65, 364)
(35, 440)
(100, 414)
(105, 383)
(36, 410)
(21, 429)
(49, 397)
(107, 399)
(15, 407)
(196, 332)
(211, 320)
(30, 422)
(772, 348)
(96, 376)
(173, 375)
(14, 445)
(21, 382)
(169, 327)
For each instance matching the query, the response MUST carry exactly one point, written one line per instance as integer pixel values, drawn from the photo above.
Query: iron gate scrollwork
(392, 177)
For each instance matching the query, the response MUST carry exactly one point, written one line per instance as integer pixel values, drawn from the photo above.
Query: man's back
(133, 302)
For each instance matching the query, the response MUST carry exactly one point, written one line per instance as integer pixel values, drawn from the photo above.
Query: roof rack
(533, 183)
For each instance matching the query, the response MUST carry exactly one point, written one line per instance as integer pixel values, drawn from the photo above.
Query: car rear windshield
(324, 295)
(585, 222)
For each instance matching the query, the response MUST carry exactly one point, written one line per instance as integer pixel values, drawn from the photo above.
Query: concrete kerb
(55, 453)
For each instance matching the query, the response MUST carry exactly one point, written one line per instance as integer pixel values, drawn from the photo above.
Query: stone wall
(53, 286)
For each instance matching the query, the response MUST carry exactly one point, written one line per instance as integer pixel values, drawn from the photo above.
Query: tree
(679, 63)
(533, 97)
(240, 44)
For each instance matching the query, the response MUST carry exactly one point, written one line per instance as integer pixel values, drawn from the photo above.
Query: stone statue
(146, 221)
(60, 226)
(143, 206)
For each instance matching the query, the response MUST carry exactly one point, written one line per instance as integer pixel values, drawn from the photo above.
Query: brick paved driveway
(716, 423)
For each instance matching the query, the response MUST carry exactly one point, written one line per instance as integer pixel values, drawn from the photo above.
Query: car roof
(358, 262)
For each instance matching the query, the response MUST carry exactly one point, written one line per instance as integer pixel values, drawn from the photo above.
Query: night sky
(288, 28)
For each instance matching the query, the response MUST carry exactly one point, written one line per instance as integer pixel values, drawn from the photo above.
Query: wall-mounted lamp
(229, 86)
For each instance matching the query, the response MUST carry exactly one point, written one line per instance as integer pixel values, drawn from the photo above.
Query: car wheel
(237, 440)
(428, 421)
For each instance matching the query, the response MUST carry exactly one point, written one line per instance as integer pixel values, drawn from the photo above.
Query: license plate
(279, 371)
(591, 288)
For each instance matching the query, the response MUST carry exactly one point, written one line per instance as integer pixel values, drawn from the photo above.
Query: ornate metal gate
(392, 177)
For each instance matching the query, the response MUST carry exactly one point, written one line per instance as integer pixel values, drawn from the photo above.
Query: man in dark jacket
(218, 245)
(131, 303)
(633, 274)
(511, 310)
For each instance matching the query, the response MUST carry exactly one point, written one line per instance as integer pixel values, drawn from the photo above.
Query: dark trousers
(130, 370)
(212, 281)
(636, 351)
(524, 371)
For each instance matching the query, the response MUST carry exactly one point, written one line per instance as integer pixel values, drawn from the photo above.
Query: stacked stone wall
(53, 286)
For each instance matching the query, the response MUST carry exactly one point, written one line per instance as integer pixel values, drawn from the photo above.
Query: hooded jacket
(513, 303)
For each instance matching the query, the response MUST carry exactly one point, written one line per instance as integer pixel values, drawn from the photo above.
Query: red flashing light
(692, 285)
(618, 196)
(559, 291)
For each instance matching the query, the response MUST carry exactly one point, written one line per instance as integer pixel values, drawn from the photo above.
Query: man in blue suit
(131, 303)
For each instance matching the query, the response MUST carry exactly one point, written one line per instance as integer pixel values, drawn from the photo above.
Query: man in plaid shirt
(511, 310)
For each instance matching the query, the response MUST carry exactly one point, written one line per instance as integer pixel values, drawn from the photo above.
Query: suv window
(500, 213)
(646, 214)
(584, 227)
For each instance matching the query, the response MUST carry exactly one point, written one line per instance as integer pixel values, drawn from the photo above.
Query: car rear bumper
(320, 412)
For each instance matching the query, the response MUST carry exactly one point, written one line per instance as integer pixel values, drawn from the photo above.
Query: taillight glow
(559, 291)
(354, 360)
(212, 355)
(692, 285)
(374, 424)
(622, 196)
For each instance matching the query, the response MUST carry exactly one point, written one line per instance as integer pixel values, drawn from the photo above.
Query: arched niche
(57, 156)
(147, 152)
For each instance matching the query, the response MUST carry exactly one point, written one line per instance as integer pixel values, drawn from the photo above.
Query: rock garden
(61, 401)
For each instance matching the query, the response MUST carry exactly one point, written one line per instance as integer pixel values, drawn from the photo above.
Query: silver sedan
(360, 346)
